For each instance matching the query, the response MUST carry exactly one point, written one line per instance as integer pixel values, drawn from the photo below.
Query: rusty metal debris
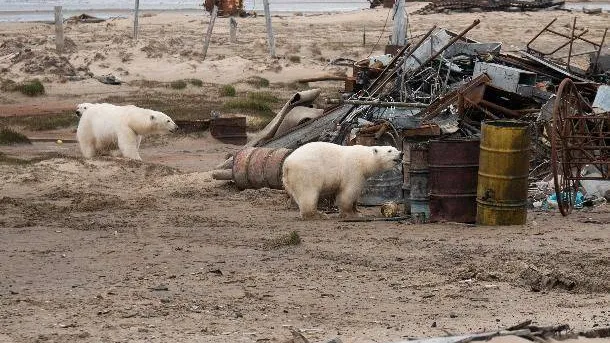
(445, 86)
(437, 6)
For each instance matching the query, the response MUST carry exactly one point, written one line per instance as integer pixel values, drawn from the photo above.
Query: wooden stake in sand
(135, 20)
(270, 38)
(59, 30)
(232, 30)
(400, 23)
(208, 35)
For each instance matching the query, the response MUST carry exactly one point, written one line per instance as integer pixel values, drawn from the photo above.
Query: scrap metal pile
(446, 86)
(437, 6)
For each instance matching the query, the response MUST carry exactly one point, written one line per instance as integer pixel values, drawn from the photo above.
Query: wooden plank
(208, 35)
(59, 29)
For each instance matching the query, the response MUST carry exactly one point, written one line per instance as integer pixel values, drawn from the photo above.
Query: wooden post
(232, 30)
(400, 23)
(364, 36)
(270, 38)
(135, 20)
(59, 30)
(208, 35)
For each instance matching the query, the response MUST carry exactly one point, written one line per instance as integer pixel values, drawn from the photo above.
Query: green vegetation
(249, 106)
(196, 82)
(178, 84)
(263, 97)
(41, 123)
(31, 88)
(227, 90)
(257, 82)
(290, 239)
(9, 136)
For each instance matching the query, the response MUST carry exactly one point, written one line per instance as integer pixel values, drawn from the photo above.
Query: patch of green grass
(295, 59)
(42, 123)
(249, 106)
(31, 88)
(177, 105)
(227, 90)
(257, 82)
(290, 239)
(9, 136)
(196, 82)
(178, 84)
(263, 96)
(146, 84)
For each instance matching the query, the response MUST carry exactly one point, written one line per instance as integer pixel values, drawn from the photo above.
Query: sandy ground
(109, 250)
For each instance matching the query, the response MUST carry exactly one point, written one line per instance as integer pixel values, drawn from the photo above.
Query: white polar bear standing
(104, 126)
(321, 168)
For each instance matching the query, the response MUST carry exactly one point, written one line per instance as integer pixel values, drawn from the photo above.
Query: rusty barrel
(406, 167)
(259, 167)
(230, 130)
(418, 180)
(503, 173)
(453, 166)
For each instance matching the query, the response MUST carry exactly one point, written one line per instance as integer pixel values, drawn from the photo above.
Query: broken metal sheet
(447, 120)
(296, 116)
(602, 98)
(428, 48)
(473, 49)
(506, 78)
(402, 118)
(554, 66)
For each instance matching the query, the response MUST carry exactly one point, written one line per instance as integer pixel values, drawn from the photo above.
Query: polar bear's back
(100, 123)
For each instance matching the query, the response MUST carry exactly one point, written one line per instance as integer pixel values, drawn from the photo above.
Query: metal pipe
(378, 103)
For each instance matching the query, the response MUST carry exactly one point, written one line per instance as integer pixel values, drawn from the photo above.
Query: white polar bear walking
(104, 126)
(321, 168)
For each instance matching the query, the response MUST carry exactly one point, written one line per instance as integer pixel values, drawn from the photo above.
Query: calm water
(34, 10)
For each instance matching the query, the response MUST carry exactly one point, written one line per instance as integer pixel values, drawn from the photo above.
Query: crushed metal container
(503, 173)
(230, 130)
(510, 79)
(382, 188)
(259, 167)
(453, 167)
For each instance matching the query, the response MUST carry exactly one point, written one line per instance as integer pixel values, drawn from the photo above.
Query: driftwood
(323, 78)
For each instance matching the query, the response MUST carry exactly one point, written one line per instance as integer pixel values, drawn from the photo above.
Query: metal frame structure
(579, 137)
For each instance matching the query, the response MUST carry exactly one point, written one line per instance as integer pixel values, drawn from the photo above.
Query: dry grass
(9, 136)
(42, 123)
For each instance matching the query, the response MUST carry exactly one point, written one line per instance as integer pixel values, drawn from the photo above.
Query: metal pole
(270, 38)
(59, 30)
(135, 20)
(398, 35)
(232, 30)
(208, 35)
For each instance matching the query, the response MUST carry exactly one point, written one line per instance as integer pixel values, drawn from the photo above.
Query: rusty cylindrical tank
(453, 166)
(259, 167)
(406, 168)
(418, 180)
(503, 173)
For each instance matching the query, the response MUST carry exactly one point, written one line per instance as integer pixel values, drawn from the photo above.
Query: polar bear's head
(161, 122)
(387, 156)
(81, 108)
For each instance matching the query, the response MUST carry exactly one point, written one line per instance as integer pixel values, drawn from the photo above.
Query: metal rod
(135, 20)
(571, 44)
(539, 33)
(384, 74)
(208, 35)
(378, 103)
(568, 42)
(566, 36)
(600, 48)
(270, 37)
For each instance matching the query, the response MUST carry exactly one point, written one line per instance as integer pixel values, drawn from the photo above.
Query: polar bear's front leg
(87, 148)
(347, 199)
(128, 144)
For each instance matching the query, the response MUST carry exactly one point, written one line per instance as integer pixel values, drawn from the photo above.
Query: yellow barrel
(503, 173)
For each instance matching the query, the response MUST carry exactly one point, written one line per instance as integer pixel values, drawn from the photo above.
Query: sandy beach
(110, 250)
